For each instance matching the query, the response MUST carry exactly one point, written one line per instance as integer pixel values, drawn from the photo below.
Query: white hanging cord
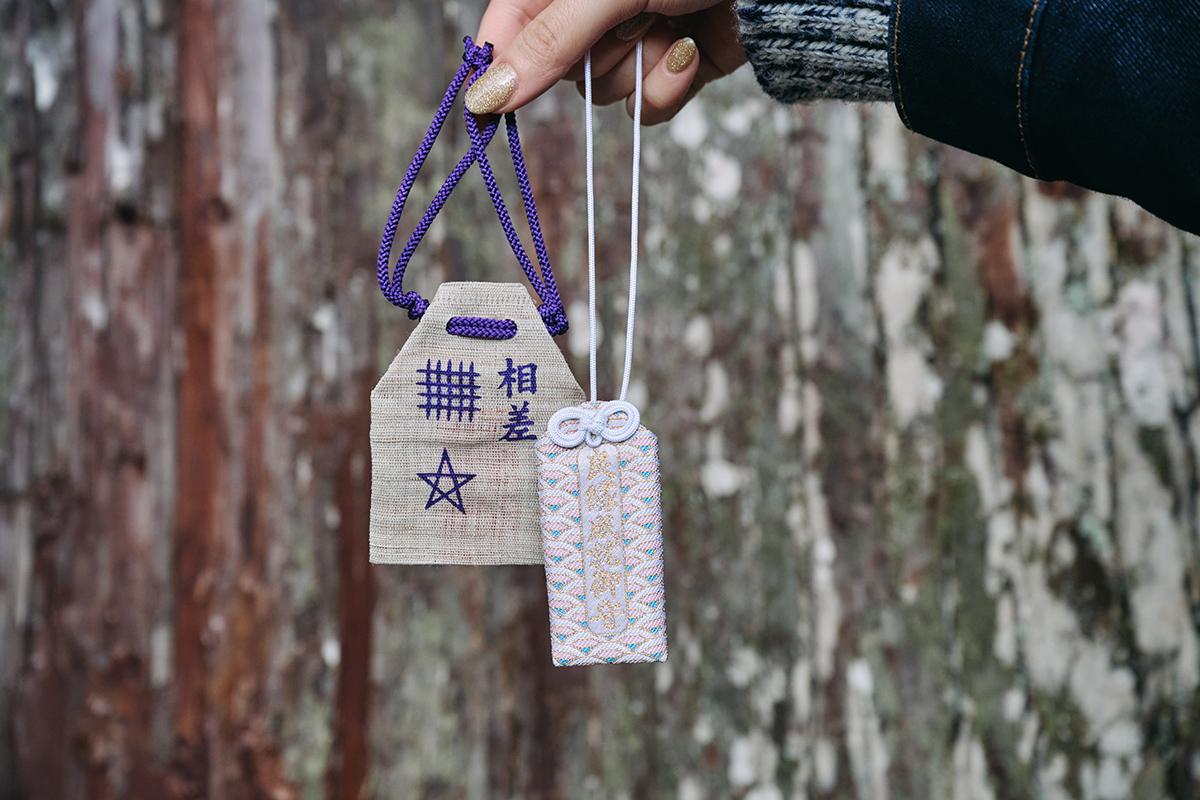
(633, 220)
(591, 210)
(591, 218)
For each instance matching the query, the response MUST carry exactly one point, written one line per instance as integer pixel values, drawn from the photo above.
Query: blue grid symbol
(448, 390)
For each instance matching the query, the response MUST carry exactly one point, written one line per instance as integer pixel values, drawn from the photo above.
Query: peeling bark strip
(349, 762)
(223, 600)
(198, 550)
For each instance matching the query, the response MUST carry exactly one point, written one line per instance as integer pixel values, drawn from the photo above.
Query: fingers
(615, 45)
(616, 83)
(546, 47)
(672, 73)
(505, 19)
(539, 41)
(667, 84)
(685, 69)
(666, 87)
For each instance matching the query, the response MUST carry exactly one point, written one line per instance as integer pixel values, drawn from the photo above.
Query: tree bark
(928, 435)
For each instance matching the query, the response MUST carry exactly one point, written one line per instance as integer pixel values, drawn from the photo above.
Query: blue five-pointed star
(457, 481)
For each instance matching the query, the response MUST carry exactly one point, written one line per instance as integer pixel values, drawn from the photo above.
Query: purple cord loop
(477, 58)
(481, 327)
(475, 62)
(555, 317)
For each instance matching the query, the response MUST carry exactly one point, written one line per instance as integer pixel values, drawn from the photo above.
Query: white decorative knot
(575, 425)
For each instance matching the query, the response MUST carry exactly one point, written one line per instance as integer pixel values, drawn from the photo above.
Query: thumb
(544, 50)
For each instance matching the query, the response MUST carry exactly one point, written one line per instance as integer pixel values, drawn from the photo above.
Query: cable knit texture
(808, 51)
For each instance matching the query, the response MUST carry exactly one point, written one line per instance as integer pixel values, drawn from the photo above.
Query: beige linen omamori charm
(453, 425)
(454, 419)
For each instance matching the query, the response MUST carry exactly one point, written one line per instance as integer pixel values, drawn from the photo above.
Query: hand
(687, 43)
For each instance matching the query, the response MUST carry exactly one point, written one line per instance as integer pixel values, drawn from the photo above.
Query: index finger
(546, 47)
(504, 19)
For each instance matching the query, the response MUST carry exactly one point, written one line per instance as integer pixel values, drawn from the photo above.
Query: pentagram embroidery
(457, 480)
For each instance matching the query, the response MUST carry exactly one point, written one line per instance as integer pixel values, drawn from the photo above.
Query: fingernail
(634, 27)
(492, 89)
(681, 56)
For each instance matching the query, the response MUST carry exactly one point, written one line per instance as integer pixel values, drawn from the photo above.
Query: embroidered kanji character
(449, 390)
(599, 466)
(600, 495)
(523, 377)
(601, 528)
(608, 613)
(605, 582)
(600, 552)
(518, 425)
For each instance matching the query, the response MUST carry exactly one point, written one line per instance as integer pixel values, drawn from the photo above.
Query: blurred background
(929, 440)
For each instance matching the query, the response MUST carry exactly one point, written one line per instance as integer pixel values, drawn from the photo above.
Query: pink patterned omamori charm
(601, 510)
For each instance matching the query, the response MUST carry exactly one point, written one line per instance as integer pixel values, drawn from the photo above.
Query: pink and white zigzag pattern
(645, 638)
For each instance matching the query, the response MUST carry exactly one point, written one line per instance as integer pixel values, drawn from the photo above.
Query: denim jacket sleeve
(1102, 93)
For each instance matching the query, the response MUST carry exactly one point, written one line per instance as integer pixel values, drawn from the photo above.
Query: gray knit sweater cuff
(808, 51)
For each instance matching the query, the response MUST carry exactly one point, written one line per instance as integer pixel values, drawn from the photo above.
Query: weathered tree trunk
(929, 441)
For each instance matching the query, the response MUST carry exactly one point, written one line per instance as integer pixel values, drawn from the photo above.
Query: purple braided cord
(392, 290)
(481, 327)
(476, 59)
(551, 310)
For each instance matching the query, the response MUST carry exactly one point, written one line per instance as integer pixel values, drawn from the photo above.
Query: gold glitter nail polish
(634, 27)
(681, 56)
(492, 90)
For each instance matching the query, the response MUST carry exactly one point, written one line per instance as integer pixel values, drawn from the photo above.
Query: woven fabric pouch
(453, 427)
(455, 418)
